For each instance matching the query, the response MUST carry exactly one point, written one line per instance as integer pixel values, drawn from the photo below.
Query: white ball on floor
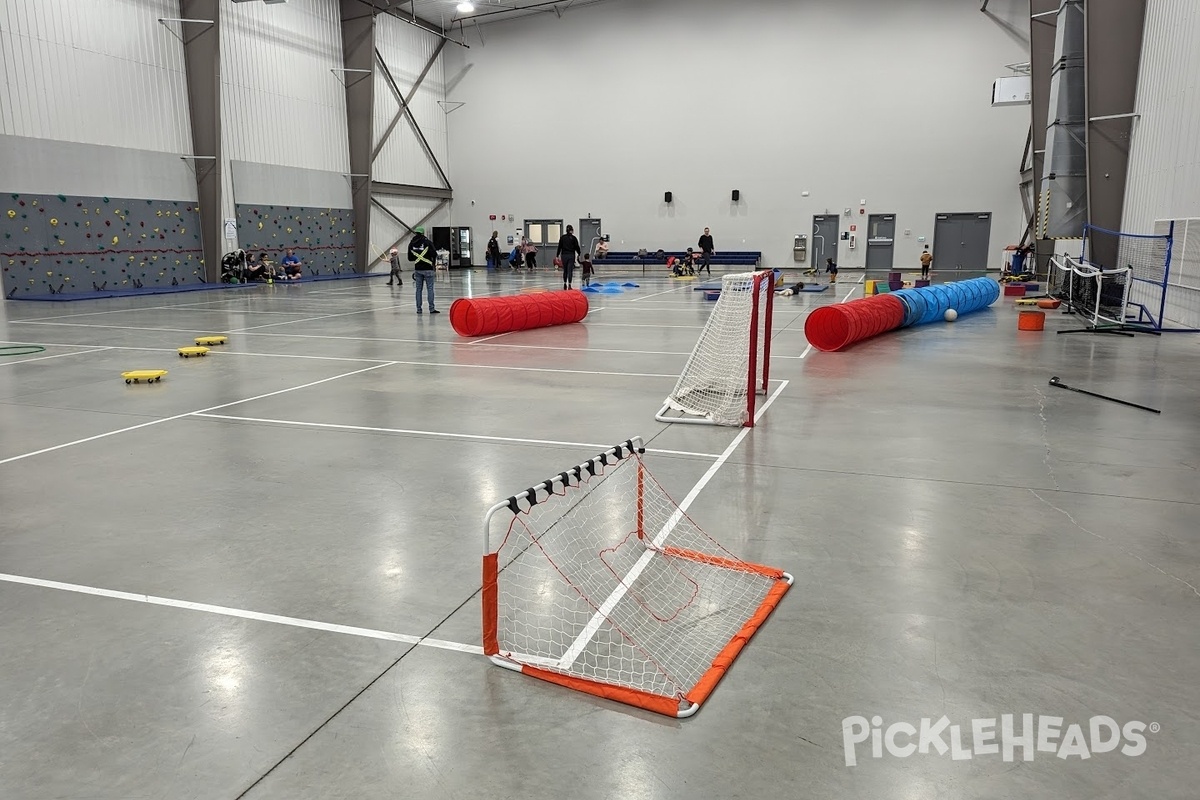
(951, 315)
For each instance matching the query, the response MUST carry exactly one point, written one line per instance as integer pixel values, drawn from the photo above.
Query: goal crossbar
(601, 583)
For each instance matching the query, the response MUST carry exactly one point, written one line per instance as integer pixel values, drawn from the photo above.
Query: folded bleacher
(723, 258)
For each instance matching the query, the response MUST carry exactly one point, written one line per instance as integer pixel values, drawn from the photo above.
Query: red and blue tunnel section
(487, 316)
(831, 328)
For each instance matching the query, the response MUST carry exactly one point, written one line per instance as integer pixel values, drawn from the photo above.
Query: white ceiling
(445, 14)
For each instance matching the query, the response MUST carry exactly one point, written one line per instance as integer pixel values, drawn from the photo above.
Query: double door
(960, 242)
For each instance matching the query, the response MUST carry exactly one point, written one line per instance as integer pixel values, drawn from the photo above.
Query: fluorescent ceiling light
(466, 8)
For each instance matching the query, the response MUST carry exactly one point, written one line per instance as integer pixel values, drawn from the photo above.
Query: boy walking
(394, 261)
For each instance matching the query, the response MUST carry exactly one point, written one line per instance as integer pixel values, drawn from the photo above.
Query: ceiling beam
(409, 190)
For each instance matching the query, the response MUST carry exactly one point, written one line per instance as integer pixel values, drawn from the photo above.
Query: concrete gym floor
(966, 541)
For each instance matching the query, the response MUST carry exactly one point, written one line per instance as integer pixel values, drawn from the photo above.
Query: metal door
(824, 239)
(589, 231)
(881, 241)
(961, 241)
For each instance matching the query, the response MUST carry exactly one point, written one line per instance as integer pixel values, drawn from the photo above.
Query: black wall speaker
(667, 197)
(736, 195)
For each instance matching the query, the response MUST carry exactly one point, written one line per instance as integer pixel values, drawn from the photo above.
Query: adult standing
(926, 260)
(568, 251)
(493, 250)
(706, 252)
(420, 252)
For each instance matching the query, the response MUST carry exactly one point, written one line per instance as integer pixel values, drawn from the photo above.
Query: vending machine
(455, 240)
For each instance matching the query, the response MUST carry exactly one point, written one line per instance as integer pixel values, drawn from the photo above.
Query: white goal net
(598, 581)
(731, 361)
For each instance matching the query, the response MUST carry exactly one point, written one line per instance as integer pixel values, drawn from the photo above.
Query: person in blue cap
(420, 252)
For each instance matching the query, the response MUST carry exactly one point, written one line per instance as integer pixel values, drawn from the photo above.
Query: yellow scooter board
(188, 352)
(211, 340)
(147, 375)
(1026, 301)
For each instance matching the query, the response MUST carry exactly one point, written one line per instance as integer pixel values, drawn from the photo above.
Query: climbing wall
(323, 238)
(58, 244)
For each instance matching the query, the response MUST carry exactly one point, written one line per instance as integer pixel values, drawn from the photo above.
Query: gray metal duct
(1065, 170)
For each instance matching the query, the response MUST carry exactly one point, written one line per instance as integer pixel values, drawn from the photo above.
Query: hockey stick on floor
(1056, 382)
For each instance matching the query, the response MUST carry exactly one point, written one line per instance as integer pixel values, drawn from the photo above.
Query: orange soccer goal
(597, 580)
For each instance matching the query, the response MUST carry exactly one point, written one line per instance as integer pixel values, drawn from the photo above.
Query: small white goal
(597, 580)
(731, 362)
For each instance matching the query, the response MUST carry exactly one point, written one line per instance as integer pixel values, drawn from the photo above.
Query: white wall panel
(407, 49)
(604, 109)
(280, 103)
(385, 231)
(1164, 158)
(103, 73)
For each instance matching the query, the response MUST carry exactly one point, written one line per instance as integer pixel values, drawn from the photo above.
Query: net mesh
(716, 380)
(610, 581)
(1146, 260)
(1100, 295)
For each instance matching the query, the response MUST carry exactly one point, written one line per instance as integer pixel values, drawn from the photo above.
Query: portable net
(1144, 260)
(730, 363)
(606, 586)
(1099, 295)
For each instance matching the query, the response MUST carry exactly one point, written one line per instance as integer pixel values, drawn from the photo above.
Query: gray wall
(268, 184)
(602, 110)
(58, 167)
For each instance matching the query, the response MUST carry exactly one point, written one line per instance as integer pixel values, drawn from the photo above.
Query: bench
(725, 258)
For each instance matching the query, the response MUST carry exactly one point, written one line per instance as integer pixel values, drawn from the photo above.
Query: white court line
(188, 414)
(479, 343)
(226, 611)
(255, 332)
(656, 294)
(487, 338)
(659, 305)
(584, 349)
(7, 363)
(640, 325)
(192, 331)
(672, 376)
(435, 434)
(314, 319)
(225, 353)
(598, 618)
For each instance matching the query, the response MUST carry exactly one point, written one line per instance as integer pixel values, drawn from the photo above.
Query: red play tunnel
(831, 328)
(484, 316)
